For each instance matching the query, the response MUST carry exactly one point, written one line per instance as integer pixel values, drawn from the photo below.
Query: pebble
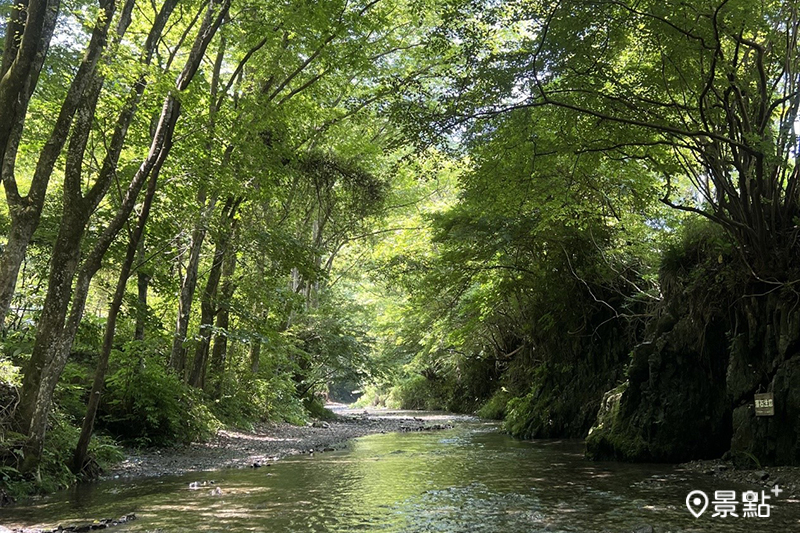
(268, 442)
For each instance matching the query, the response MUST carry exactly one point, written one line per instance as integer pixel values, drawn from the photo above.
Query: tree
(56, 328)
(708, 90)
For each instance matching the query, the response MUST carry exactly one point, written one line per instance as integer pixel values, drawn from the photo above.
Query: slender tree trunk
(13, 255)
(142, 285)
(177, 357)
(26, 37)
(207, 311)
(219, 355)
(178, 354)
(82, 447)
(24, 216)
(255, 356)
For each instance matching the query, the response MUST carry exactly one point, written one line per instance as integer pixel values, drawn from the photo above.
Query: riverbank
(786, 477)
(268, 442)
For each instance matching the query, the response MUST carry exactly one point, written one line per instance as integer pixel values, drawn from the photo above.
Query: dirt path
(269, 442)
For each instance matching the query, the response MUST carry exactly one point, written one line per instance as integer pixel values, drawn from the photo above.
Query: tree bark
(177, 357)
(219, 355)
(142, 285)
(208, 301)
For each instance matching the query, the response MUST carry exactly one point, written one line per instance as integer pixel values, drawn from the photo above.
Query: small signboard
(765, 406)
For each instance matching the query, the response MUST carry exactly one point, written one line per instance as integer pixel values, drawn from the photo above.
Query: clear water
(468, 479)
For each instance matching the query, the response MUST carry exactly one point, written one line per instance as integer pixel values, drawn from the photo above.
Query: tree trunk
(38, 376)
(25, 211)
(26, 38)
(177, 357)
(142, 285)
(82, 447)
(21, 229)
(207, 308)
(219, 354)
(178, 353)
(64, 260)
(255, 356)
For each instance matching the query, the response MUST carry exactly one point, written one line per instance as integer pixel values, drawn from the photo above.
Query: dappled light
(236, 235)
(409, 482)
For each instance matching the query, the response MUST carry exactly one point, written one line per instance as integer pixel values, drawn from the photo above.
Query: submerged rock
(96, 525)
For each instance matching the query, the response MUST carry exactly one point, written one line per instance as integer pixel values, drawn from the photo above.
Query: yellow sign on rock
(765, 406)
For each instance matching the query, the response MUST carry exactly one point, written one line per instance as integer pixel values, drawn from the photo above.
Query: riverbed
(472, 478)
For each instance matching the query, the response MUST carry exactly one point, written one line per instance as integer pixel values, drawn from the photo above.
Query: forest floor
(268, 442)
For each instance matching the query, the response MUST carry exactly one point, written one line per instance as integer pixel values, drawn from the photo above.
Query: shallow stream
(468, 479)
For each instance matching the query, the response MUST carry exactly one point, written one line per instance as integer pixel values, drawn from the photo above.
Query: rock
(674, 406)
(762, 475)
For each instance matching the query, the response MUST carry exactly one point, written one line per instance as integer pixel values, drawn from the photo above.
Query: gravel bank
(269, 442)
(786, 477)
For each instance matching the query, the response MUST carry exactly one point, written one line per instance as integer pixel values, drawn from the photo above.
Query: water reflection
(471, 478)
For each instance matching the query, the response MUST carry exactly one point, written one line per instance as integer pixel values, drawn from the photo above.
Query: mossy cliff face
(563, 399)
(674, 405)
(765, 357)
(718, 340)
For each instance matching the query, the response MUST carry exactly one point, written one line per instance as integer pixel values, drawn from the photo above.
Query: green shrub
(377, 396)
(246, 399)
(316, 409)
(71, 391)
(147, 405)
(521, 415)
(496, 407)
(419, 392)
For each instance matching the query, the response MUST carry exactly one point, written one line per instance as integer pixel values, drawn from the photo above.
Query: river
(471, 478)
